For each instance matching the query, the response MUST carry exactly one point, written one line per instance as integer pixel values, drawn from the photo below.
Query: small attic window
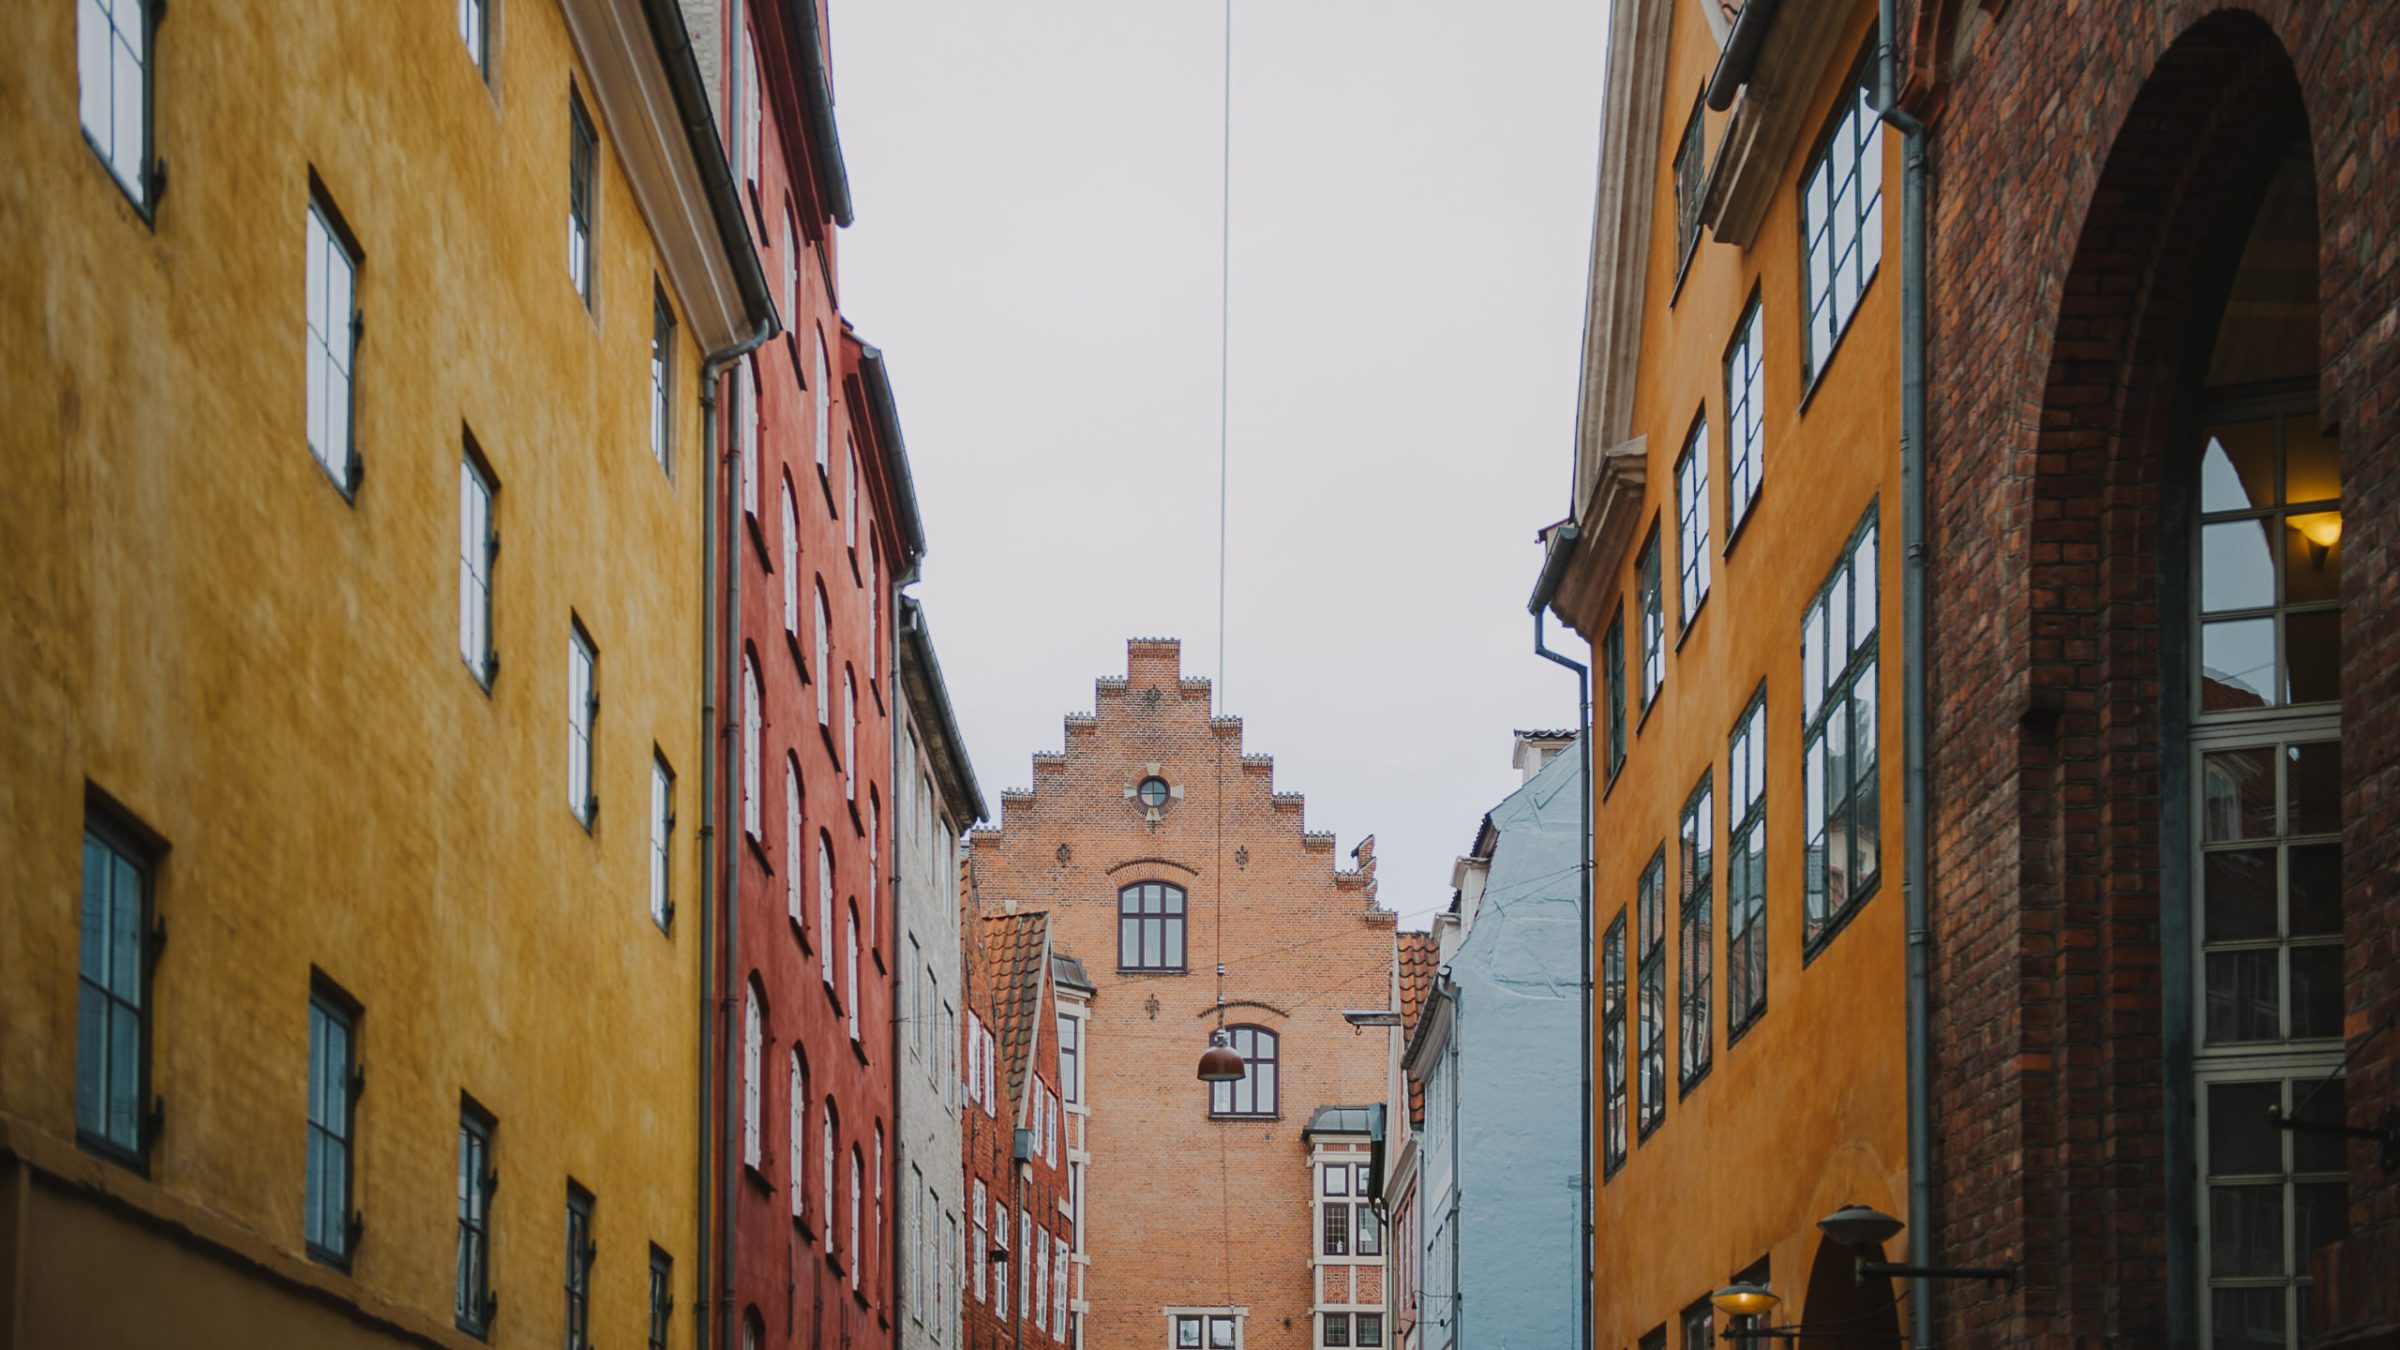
(1152, 792)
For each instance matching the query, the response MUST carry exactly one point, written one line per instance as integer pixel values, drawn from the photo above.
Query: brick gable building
(1199, 1220)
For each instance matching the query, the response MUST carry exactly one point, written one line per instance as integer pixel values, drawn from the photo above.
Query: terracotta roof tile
(1419, 956)
(1019, 945)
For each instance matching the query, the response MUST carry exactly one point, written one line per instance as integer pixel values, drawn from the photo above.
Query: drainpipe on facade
(890, 670)
(1915, 809)
(1564, 539)
(1458, 1174)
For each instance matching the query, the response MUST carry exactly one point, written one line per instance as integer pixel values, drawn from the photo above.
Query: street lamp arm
(2005, 1274)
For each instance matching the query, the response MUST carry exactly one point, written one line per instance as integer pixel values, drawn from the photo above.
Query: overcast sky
(1036, 251)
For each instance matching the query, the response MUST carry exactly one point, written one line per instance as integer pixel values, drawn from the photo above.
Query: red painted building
(1020, 1236)
(818, 518)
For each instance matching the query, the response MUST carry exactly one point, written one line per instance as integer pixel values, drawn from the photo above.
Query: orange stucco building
(1729, 559)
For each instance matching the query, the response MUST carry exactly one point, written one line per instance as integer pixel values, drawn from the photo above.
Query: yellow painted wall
(198, 623)
(1806, 1111)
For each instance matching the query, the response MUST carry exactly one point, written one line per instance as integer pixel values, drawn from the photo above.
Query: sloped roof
(1366, 1120)
(1068, 971)
(1019, 947)
(1419, 956)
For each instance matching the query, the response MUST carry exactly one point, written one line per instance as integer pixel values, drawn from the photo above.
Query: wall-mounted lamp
(1749, 1304)
(1863, 1230)
(2322, 530)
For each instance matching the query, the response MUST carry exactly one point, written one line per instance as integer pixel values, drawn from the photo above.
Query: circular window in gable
(1151, 792)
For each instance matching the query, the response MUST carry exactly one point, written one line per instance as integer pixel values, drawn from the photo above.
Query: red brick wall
(1183, 1210)
(2092, 167)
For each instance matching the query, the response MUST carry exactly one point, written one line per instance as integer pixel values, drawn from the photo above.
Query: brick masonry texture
(1184, 1210)
(2093, 165)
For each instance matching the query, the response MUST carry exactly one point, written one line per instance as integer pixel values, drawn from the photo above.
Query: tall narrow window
(977, 1256)
(662, 834)
(1654, 624)
(1336, 1227)
(850, 978)
(332, 344)
(580, 1250)
(754, 1038)
(827, 1146)
(1612, 1046)
(1255, 1092)
(1691, 527)
(1070, 1059)
(1150, 917)
(1700, 1326)
(850, 497)
(662, 378)
(583, 711)
(1037, 1284)
(875, 1234)
(874, 612)
(662, 1297)
(1058, 1301)
(1694, 958)
(797, 1141)
(790, 256)
(112, 72)
(1691, 170)
(332, 1095)
(849, 736)
(791, 566)
(825, 908)
(821, 411)
(1745, 422)
(857, 1255)
(1652, 1103)
(749, 111)
(583, 193)
(745, 398)
(1612, 657)
(1839, 697)
(753, 724)
(112, 1014)
(478, 1177)
(999, 1258)
(793, 844)
(1746, 870)
(478, 550)
(474, 29)
(818, 673)
(1841, 220)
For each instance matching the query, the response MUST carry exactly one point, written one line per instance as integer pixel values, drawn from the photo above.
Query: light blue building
(1496, 1049)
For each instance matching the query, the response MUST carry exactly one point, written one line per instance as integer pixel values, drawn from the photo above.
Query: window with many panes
(475, 29)
(478, 552)
(1691, 523)
(825, 888)
(1150, 918)
(581, 1248)
(849, 736)
(745, 404)
(332, 299)
(662, 1297)
(1694, 958)
(791, 566)
(1654, 622)
(1366, 1329)
(1745, 421)
(112, 75)
(662, 835)
(1337, 1330)
(1691, 171)
(1207, 1331)
(1839, 696)
(583, 712)
(1070, 1058)
(754, 1043)
(1612, 659)
(796, 1131)
(794, 845)
(818, 673)
(332, 1096)
(1651, 931)
(754, 719)
(1700, 1326)
(1841, 220)
(662, 377)
(1255, 1092)
(748, 113)
(828, 1144)
(1612, 1046)
(2269, 563)
(112, 992)
(583, 194)
(1746, 869)
(478, 1177)
(821, 410)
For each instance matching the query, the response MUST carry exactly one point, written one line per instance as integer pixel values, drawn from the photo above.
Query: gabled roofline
(816, 84)
(921, 675)
(884, 411)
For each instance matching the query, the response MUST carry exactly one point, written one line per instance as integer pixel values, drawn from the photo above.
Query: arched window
(874, 856)
(858, 1258)
(1150, 926)
(819, 672)
(791, 563)
(874, 613)
(821, 405)
(753, 1332)
(1255, 1093)
(849, 736)
(792, 845)
(798, 1099)
(875, 1234)
(754, 1037)
(825, 906)
(850, 979)
(753, 720)
(826, 1146)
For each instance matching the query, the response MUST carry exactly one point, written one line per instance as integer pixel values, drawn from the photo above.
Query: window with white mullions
(791, 565)
(580, 1251)
(1746, 870)
(332, 271)
(1691, 525)
(583, 711)
(332, 1097)
(583, 194)
(2268, 557)
(1694, 958)
(1206, 1331)
(1654, 623)
(475, 29)
(745, 398)
(662, 1298)
(478, 552)
(662, 830)
(112, 1020)
(1745, 425)
(1651, 931)
(1841, 220)
(1841, 795)
(112, 72)
(794, 843)
(2272, 1198)
(478, 1177)
(662, 377)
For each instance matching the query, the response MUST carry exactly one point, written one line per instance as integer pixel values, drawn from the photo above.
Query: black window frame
(1655, 1338)
(1612, 649)
(473, 1301)
(1650, 1097)
(1699, 1326)
(1692, 526)
(1860, 105)
(1651, 600)
(329, 1006)
(662, 1297)
(1336, 1331)
(118, 835)
(1334, 1236)
(1613, 1077)
(1366, 1330)
(1827, 692)
(581, 1249)
(583, 196)
(662, 378)
(1746, 867)
(1171, 922)
(1690, 169)
(1231, 1093)
(1695, 966)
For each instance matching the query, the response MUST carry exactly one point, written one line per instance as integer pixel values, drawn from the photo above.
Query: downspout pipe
(1915, 783)
(721, 558)
(1563, 540)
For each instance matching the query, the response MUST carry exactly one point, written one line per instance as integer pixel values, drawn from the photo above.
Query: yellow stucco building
(1734, 560)
(353, 524)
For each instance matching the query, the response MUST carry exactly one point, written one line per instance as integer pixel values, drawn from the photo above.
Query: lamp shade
(1219, 1063)
(1859, 1226)
(1745, 1300)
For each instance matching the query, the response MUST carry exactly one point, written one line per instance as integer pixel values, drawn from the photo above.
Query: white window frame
(753, 1049)
(1745, 419)
(825, 908)
(798, 1143)
(849, 736)
(753, 725)
(746, 395)
(850, 979)
(822, 677)
(1691, 524)
(1841, 224)
(478, 556)
(821, 410)
(850, 496)
(795, 837)
(333, 324)
(662, 831)
(583, 715)
(791, 564)
(662, 378)
(113, 40)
